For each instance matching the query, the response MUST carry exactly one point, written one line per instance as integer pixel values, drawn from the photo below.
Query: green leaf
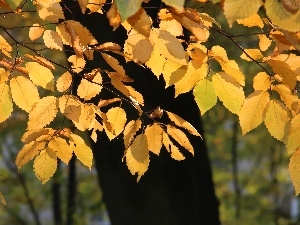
(205, 95)
(128, 8)
(14, 4)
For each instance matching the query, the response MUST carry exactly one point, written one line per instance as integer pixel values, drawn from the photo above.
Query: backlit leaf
(5, 47)
(28, 152)
(154, 136)
(286, 95)
(130, 131)
(253, 53)
(240, 9)
(61, 148)
(116, 116)
(78, 64)
(40, 75)
(86, 117)
(6, 104)
(141, 22)
(262, 81)
(229, 91)
(35, 31)
(252, 111)
(293, 139)
(180, 137)
(24, 92)
(113, 16)
(252, 21)
(264, 42)
(156, 62)
(294, 169)
(82, 151)
(44, 166)
(205, 95)
(51, 12)
(276, 118)
(70, 107)
(172, 148)
(52, 40)
(87, 90)
(64, 82)
(35, 134)
(137, 156)
(128, 8)
(177, 4)
(43, 112)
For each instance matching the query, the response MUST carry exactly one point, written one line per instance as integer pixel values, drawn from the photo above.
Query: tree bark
(171, 192)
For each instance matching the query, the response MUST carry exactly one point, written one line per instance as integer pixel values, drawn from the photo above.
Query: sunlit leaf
(128, 8)
(262, 81)
(6, 104)
(52, 40)
(293, 139)
(180, 137)
(64, 82)
(61, 148)
(35, 31)
(130, 131)
(294, 169)
(154, 132)
(116, 116)
(172, 148)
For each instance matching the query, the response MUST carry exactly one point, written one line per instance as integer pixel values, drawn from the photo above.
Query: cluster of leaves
(274, 100)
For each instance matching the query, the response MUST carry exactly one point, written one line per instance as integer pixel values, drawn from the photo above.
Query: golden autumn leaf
(154, 133)
(141, 22)
(254, 53)
(182, 123)
(240, 9)
(276, 118)
(1, 195)
(64, 82)
(264, 42)
(82, 151)
(75, 40)
(252, 112)
(95, 126)
(130, 130)
(262, 81)
(51, 12)
(229, 91)
(173, 72)
(180, 137)
(120, 86)
(113, 16)
(6, 104)
(43, 134)
(42, 113)
(289, 77)
(172, 148)
(197, 52)
(293, 138)
(116, 116)
(40, 75)
(44, 165)
(40, 60)
(4, 75)
(52, 40)
(78, 64)
(61, 148)
(35, 31)
(137, 156)
(294, 169)
(135, 96)
(253, 20)
(205, 95)
(96, 5)
(88, 90)
(24, 92)
(70, 106)
(5, 47)
(286, 95)
(177, 4)
(168, 45)
(172, 26)
(28, 152)
(86, 117)
(196, 71)
(156, 62)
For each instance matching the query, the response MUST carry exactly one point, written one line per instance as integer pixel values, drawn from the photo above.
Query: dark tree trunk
(71, 197)
(171, 192)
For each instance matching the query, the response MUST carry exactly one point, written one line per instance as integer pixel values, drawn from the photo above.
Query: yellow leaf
(5, 47)
(262, 81)
(35, 31)
(96, 5)
(168, 45)
(141, 22)
(95, 126)
(119, 86)
(52, 40)
(82, 5)
(87, 90)
(154, 136)
(276, 118)
(286, 95)
(70, 107)
(87, 116)
(28, 152)
(197, 52)
(240, 9)
(105, 102)
(64, 82)
(130, 131)
(113, 16)
(44, 166)
(180, 137)
(24, 92)
(254, 53)
(293, 139)
(289, 76)
(264, 42)
(229, 91)
(171, 148)
(4, 75)
(173, 72)
(253, 20)
(81, 150)
(1, 195)
(75, 40)
(42, 113)
(205, 95)
(116, 116)
(6, 104)
(172, 26)
(294, 169)
(156, 62)
(40, 75)
(195, 72)
(33, 135)
(252, 111)
(135, 96)
(282, 18)
(137, 156)
(61, 148)
(138, 48)
(182, 123)
(78, 63)
(51, 12)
